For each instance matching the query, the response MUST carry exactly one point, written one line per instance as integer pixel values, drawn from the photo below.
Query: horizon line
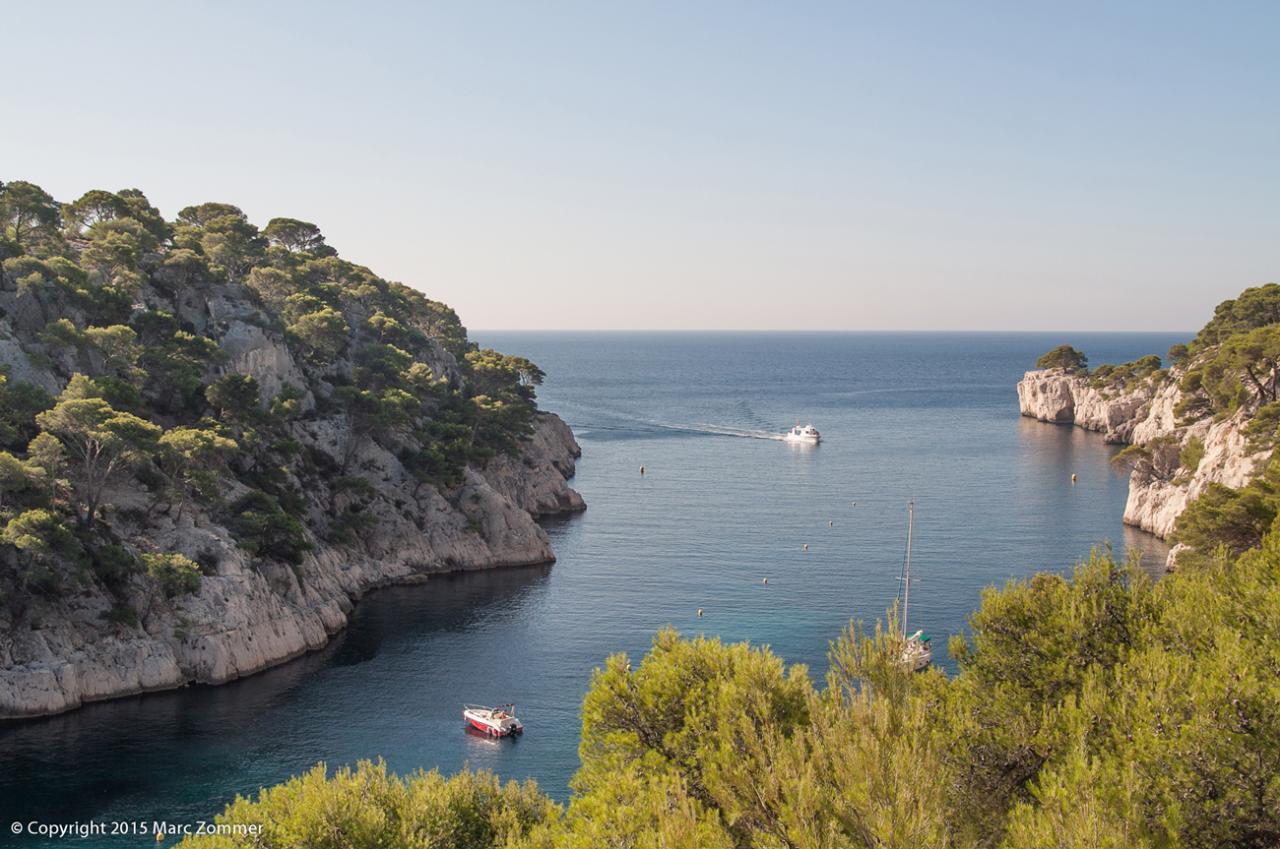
(795, 330)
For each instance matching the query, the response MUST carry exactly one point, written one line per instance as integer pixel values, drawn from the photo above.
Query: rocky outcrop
(1161, 485)
(59, 653)
(83, 641)
(533, 481)
(1064, 398)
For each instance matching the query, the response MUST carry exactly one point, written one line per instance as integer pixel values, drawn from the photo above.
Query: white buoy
(764, 580)
(831, 523)
(699, 611)
(806, 546)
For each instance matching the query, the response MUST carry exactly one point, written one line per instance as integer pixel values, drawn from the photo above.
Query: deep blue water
(930, 417)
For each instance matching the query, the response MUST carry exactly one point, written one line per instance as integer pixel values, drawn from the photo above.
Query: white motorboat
(807, 434)
(499, 721)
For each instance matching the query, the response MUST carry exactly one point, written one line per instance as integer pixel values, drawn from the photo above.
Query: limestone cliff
(59, 653)
(1160, 485)
(365, 441)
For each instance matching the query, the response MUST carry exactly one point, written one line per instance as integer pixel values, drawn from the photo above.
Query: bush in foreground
(1100, 710)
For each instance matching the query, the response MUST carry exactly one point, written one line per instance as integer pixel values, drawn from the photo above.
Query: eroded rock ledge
(1160, 486)
(56, 654)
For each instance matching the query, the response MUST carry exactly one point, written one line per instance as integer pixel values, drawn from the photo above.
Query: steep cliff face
(236, 435)
(1062, 398)
(1161, 485)
(248, 615)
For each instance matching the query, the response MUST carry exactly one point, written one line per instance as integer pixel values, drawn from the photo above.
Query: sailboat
(917, 651)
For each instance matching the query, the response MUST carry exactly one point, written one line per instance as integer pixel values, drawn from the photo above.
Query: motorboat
(498, 721)
(807, 434)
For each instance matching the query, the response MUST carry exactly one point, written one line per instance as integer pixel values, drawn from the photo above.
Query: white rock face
(1159, 487)
(1056, 396)
(251, 350)
(248, 616)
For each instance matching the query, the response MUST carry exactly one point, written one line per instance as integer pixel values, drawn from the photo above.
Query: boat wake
(718, 430)
(625, 422)
(740, 432)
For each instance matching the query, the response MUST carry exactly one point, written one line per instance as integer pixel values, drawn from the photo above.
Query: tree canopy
(1064, 357)
(156, 329)
(1092, 710)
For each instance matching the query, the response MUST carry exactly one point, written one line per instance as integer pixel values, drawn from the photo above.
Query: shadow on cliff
(393, 621)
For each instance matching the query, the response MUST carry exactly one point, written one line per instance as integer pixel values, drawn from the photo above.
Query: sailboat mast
(906, 581)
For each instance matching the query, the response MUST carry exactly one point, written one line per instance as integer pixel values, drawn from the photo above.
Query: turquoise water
(930, 417)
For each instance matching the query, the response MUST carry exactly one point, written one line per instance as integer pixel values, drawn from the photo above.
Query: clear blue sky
(696, 165)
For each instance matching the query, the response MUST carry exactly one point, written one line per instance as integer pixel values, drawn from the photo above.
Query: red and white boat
(499, 721)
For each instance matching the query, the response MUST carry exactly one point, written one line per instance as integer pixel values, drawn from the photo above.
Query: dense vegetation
(1106, 377)
(1064, 357)
(1100, 711)
(126, 318)
(1125, 376)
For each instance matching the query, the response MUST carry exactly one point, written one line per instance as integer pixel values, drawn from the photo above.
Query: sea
(723, 504)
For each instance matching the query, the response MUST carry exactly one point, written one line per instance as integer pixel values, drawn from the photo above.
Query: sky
(705, 165)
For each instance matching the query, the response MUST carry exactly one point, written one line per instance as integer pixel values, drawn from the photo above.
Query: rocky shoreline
(1161, 484)
(57, 654)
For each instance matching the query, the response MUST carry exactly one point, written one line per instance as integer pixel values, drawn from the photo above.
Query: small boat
(917, 654)
(917, 650)
(807, 434)
(499, 721)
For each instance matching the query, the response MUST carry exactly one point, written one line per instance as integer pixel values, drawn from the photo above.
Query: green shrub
(114, 564)
(354, 484)
(121, 614)
(262, 527)
(1253, 308)
(1131, 455)
(176, 574)
(350, 525)
(1191, 454)
(20, 403)
(1234, 519)
(368, 807)
(1064, 357)
(1264, 428)
(1126, 376)
(43, 533)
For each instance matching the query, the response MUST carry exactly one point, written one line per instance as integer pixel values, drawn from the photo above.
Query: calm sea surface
(930, 417)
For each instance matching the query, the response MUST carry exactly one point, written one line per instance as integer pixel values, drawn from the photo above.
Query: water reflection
(240, 735)
(1048, 455)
